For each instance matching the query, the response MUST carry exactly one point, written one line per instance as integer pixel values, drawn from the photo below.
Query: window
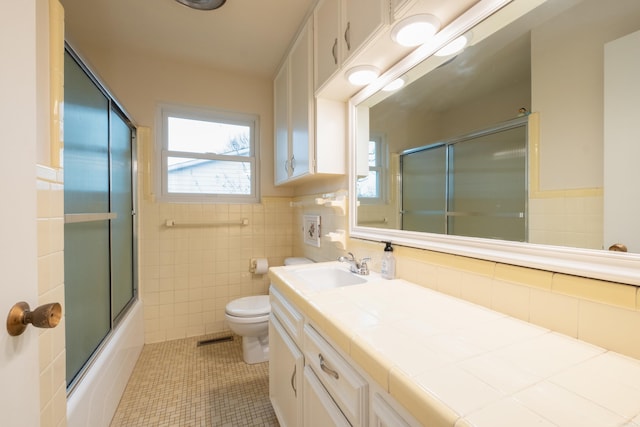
(371, 188)
(208, 155)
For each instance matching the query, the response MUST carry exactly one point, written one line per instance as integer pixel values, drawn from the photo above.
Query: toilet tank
(297, 261)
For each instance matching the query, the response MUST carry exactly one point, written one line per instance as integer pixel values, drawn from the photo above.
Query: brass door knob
(618, 247)
(45, 316)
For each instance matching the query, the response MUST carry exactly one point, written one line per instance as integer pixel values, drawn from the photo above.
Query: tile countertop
(456, 364)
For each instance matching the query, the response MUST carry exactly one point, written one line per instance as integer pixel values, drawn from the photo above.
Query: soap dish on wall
(338, 236)
(311, 230)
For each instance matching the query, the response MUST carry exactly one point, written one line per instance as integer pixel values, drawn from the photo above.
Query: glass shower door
(122, 205)
(86, 233)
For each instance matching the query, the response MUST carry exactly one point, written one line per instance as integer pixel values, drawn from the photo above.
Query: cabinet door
(362, 19)
(319, 409)
(281, 123)
(301, 103)
(328, 38)
(384, 415)
(285, 375)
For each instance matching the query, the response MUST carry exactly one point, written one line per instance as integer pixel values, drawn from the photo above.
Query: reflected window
(371, 188)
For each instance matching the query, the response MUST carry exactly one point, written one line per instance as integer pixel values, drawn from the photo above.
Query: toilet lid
(256, 305)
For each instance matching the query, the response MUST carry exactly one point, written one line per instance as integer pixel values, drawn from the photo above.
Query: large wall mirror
(521, 148)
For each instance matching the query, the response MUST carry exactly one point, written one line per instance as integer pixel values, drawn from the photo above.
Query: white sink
(322, 278)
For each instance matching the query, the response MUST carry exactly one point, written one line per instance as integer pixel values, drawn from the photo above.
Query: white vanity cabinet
(286, 361)
(383, 414)
(347, 388)
(320, 410)
(341, 28)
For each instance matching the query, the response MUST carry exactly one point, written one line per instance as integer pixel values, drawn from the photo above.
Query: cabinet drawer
(289, 317)
(319, 408)
(384, 415)
(344, 384)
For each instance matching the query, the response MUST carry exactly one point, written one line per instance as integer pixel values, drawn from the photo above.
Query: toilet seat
(246, 320)
(249, 307)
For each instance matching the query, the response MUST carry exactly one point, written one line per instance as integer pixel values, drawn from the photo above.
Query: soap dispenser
(388, 265)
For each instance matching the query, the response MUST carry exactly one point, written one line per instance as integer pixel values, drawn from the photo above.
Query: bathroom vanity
(353, 350)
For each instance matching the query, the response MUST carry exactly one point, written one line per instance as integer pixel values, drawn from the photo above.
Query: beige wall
(567, 56)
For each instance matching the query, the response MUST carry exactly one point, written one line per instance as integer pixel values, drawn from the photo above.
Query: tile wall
(567, 220)
(333, 225)
(189, 274)
(50, 217)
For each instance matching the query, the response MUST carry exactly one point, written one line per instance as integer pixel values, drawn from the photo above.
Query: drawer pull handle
(347, 36)
(293, 381)
(334, 51)
(326, 369)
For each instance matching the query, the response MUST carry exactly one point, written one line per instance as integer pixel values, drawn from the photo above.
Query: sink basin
(328, 277)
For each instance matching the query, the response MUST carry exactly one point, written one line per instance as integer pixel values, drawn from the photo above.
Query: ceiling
(244, 36)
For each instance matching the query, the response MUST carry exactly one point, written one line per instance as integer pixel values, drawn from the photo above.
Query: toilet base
(255, 349)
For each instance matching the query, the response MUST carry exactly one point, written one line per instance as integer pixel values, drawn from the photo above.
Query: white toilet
(249, 318)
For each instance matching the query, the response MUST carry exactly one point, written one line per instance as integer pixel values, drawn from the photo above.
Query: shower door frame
(113, 107)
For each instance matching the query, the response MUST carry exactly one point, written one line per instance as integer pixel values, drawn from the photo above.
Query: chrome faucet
(358, 267)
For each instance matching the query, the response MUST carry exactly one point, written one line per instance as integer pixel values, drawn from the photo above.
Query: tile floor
(178, 383)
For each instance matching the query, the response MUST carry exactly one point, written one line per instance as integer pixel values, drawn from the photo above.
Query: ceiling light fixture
(362, 75)
(394, 85)
(202, 4)
(415, 30)
(454, 47)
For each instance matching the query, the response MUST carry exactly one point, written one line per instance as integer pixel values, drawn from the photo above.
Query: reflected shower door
(424, 200)
(487, 182)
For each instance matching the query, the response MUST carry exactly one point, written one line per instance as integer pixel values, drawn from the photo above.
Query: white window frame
(164, 111)
(382, 166)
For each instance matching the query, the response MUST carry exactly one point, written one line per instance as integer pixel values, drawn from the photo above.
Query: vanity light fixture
(362, 75)
(415, 30)
(202, 4)
(456, 46)
(394, 85)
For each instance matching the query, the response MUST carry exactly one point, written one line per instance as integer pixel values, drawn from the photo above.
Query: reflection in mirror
(472, 186)
(566, 62)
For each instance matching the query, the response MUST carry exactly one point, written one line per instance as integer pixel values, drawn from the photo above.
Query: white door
(19, 373)
(622, 143)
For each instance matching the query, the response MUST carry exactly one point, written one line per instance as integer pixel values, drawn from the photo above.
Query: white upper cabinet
(362, 20)
(301, 96)
(294, 112)
(303, 149)
(328, 40)
(281, 124)
(341, 28)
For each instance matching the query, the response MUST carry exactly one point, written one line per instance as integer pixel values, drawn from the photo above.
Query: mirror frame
(597, 264)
